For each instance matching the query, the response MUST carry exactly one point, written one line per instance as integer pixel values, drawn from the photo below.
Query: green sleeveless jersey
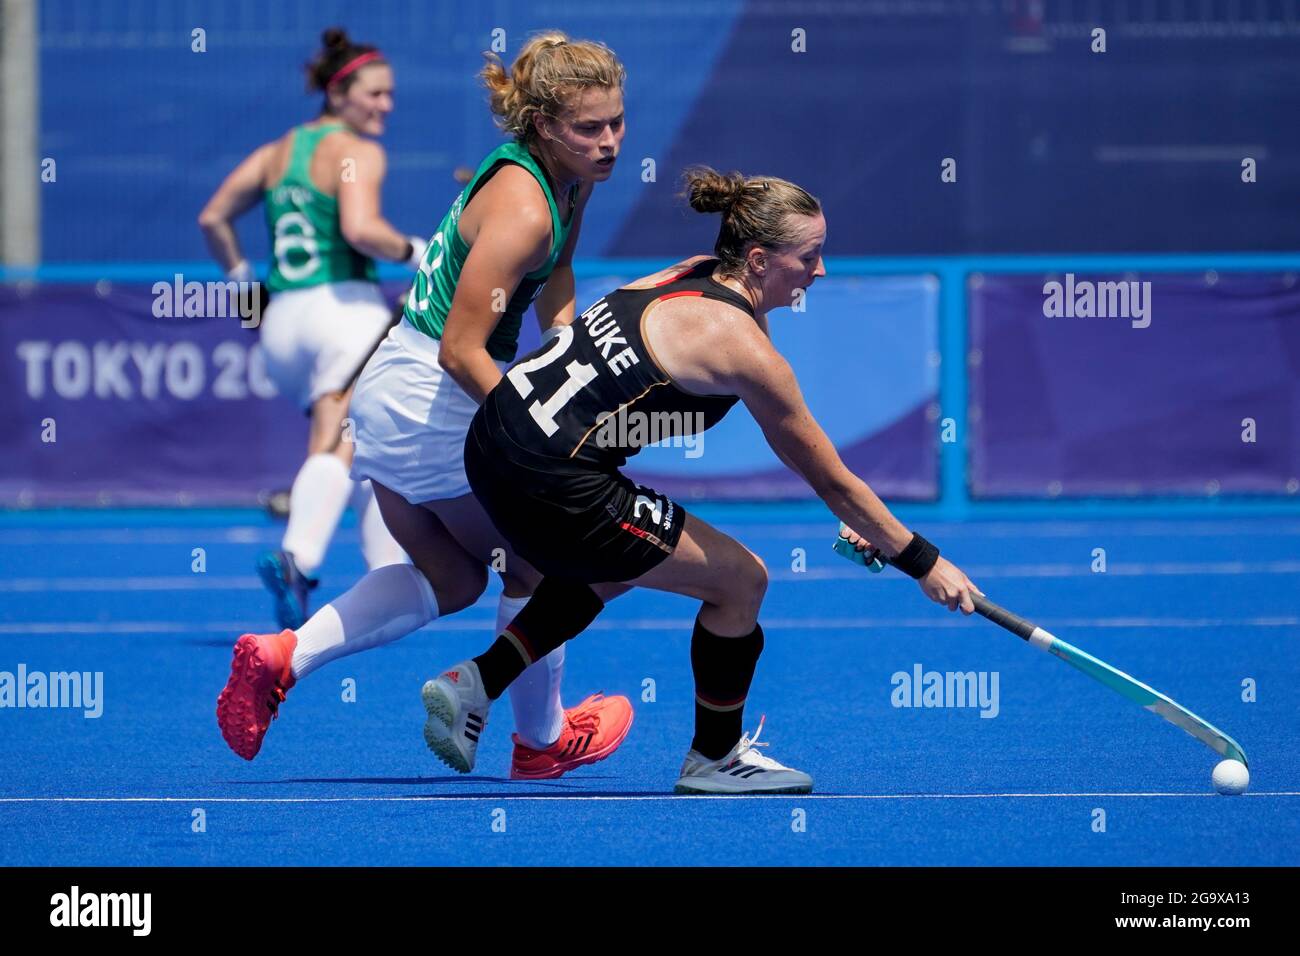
(430, 297)
(308, 246)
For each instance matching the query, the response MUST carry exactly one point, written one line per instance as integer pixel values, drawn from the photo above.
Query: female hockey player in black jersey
(544, 451)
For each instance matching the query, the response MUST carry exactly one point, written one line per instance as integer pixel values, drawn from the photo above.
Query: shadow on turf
(419, 781)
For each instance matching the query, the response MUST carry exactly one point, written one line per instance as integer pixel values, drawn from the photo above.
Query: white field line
(846, 572)
(187, 582)
(191, 537)
(814, 531)
(458, 623)
(616, 798)
(1075, 569)
(1113, 528)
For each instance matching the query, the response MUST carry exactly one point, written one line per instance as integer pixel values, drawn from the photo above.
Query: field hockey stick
(394, 319)
(1097, 669)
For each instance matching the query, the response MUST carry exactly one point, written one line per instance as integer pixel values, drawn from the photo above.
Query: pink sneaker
(260, 676)
(592, 731)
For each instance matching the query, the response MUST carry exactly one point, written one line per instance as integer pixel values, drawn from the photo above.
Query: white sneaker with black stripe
(458, 708)
(742, 771)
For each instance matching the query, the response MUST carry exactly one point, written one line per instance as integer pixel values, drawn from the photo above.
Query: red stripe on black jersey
(673, 278)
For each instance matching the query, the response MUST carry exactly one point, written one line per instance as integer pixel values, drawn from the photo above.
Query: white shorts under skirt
(315, 339)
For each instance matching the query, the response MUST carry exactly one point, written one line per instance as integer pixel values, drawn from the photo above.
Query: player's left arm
(556, 304)
(361, 218)
(766, 383)
(512, 241)
(238, 193)
(752, 369)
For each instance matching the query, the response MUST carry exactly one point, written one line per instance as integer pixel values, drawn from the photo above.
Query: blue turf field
(1192, 606)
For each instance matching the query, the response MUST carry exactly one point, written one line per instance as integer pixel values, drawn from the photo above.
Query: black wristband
(917, 558)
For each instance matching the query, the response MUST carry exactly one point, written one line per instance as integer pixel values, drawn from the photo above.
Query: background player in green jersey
(320, 185)
(506, 242)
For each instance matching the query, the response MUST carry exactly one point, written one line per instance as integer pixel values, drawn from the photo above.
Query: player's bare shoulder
(273, 159)
(342, 145)
(513, 199)
(702, 342)
(515, 186)
(342, 156)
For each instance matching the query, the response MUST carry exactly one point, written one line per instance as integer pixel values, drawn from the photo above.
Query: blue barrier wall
(866, 372)
(1137, 149)
(1133, 384)
(115, 400)
(1128, 159)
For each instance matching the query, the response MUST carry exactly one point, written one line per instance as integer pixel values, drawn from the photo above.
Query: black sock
(499, 665)
(723, 667)
(557, 611)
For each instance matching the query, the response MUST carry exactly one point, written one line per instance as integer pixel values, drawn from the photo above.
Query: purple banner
(1087, 384)
(107, 404)
(865, 351)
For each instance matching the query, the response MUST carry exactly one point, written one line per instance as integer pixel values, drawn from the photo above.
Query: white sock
(377, 544)
(316, 502)
(535, 694)
(388, 603)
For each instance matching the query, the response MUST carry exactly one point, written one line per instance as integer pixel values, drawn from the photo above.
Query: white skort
(410, 419)
(315, 339)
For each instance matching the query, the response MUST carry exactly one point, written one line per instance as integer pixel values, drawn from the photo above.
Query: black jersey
(596, 394)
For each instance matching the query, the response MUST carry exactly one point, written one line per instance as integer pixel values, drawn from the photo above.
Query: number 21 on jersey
(580, 374)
